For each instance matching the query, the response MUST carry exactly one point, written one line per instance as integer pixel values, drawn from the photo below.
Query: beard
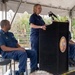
(9, 28)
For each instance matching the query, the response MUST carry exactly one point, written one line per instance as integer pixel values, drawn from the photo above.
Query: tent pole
(5, 5)
(2, 9)
(70, 20)
(16, 12)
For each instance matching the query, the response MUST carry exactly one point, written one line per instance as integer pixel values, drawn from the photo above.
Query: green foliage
(47, 20)
(21, 24)
(21, 27)
(73, 28)
(62, 19)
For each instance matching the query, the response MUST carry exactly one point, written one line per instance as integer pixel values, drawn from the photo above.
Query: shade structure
(59, 7)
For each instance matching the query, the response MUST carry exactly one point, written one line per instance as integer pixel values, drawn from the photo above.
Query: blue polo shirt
(37, 20)
(7, 39)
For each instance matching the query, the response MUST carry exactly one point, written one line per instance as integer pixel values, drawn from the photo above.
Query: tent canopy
(61, 7)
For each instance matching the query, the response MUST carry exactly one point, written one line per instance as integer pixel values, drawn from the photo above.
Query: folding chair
(5, 62)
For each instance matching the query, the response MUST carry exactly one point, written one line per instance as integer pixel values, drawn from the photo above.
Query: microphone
(52, 14)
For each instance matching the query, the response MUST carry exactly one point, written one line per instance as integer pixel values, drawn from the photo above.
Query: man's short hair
(3, 23)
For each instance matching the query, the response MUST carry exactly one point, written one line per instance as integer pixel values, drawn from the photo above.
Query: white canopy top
(59, 7)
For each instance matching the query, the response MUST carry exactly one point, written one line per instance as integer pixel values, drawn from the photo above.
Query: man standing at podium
(36, 23)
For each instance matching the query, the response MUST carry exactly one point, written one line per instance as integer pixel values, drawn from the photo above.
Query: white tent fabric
(59, 7)
(66, 4)
(29, 8)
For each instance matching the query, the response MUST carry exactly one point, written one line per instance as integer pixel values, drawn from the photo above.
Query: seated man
(10, 49)
(71, 50)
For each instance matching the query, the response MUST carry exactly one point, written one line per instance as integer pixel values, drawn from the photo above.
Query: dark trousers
(22, 56)
(35, 46)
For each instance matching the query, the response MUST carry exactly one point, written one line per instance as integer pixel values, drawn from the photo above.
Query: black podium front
(53, 48)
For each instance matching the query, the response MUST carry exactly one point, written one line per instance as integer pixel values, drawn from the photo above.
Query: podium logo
(63, 44)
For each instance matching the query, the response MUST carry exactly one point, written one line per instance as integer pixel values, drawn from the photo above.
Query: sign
(63, 44)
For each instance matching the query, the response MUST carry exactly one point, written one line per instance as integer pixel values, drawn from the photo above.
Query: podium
(53, 48)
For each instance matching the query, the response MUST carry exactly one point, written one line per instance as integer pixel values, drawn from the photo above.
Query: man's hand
(20, 48)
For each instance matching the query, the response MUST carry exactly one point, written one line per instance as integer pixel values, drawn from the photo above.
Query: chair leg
(6, 67)
(26, 71)
(10, 68)
(14, 67)
(2, 70)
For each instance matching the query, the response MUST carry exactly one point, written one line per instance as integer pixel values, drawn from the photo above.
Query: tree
(73, 28)
(21, 28)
